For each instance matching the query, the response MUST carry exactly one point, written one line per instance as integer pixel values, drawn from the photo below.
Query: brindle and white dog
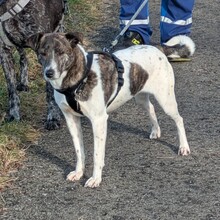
(66, 66)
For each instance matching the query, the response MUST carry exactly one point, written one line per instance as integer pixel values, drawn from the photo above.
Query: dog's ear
(33, 41)
(74, 38)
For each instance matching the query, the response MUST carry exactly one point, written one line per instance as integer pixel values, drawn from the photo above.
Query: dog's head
(54, 52)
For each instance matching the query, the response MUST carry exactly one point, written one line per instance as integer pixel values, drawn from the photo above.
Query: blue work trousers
(176, 18)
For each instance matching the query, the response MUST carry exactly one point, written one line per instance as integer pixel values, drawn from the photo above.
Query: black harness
(71, 92)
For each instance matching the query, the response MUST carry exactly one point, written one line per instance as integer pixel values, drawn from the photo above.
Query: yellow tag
(135, 41)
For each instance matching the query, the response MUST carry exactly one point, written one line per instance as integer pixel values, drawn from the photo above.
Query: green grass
(16, 136)
(83, 16)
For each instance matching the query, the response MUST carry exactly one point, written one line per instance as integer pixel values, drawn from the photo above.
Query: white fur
(160, 84)
(181, 40)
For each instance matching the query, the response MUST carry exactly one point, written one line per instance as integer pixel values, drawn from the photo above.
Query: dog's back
(145, 67)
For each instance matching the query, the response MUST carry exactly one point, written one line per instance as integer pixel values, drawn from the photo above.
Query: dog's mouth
(55, 78)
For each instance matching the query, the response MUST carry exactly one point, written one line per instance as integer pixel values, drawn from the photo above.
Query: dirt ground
(143, 178)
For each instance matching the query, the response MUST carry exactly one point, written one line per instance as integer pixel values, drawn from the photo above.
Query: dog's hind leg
(53, 111)
(7, 62)
(143, 100)
(167, 100)
(23, 83)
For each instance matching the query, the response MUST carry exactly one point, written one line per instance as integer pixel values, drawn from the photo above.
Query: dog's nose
(49, 73)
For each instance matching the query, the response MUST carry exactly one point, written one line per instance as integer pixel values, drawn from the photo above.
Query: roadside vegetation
(15, 137)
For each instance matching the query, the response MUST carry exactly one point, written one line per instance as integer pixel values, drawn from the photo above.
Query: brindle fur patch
(138, 77)
(108, 75)
(85, 92)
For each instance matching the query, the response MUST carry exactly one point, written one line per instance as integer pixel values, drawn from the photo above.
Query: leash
(117, 38)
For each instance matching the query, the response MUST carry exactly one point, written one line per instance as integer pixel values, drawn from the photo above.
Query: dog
(19, 20)
(93, 84)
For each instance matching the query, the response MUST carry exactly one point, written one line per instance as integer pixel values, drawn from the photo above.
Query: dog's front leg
(23, 84)
(74, 125)
(7, 62)
(99, 125)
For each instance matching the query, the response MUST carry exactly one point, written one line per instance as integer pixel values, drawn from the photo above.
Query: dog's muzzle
(49, 73)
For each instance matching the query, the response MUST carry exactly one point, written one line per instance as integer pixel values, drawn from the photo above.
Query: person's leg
(141, 22)
(176, 18)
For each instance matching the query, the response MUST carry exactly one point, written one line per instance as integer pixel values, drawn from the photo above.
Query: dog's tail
(178, 48)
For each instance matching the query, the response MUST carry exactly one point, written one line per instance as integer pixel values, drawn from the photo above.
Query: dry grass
(16, 136)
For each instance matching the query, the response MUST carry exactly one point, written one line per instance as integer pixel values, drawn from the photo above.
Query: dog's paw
(74, 176)
(22, 88)
(52, 124)
(184, 151)
(93, 182)
(155, 133)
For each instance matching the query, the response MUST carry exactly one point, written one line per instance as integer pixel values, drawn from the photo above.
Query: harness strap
(15, 10)
(120, 69)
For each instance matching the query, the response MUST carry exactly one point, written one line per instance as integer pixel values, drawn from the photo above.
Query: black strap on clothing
(72, 91)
